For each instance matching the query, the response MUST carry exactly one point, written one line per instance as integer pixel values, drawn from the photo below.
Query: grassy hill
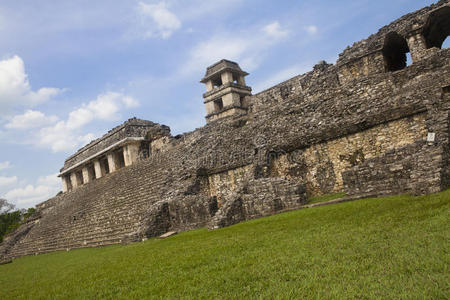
(394, 247)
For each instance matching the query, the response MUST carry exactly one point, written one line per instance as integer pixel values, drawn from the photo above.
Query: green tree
(5, 206)
(10, 219)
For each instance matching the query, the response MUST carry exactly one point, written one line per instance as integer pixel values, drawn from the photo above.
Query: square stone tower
(225, 90)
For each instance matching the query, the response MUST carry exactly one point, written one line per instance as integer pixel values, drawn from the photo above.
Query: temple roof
(132, 128)
(130, 122)
(220, 67)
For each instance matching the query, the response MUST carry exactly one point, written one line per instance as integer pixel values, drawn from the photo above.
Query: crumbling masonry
(369, 125)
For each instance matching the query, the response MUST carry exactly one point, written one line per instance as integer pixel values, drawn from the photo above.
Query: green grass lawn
(392, 248)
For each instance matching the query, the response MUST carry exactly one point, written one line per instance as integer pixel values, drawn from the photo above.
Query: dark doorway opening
(437, 28)
(394, 51)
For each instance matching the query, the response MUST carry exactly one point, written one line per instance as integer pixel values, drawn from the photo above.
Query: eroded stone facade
(369, 125)
(120, 147)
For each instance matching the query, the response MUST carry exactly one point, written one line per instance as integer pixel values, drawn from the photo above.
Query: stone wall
(321, 166)
(413, 169)
(352, 127)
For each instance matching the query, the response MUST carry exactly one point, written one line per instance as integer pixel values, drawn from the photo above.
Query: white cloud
(5, 165)
(158, 15)
(5, 181)
(78, 118)
(274, 30)
(67, 135)
(61, 138)
(30, 195)
(312, 29)
(31, 119)
(57, 134)
(49, 180)
(15, 89)
(106, 107)
(246, 47)
(130, 102)
(26, 196)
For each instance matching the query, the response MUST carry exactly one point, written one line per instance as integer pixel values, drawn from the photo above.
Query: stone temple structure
(120, 147)
(225, 90)
(368, 125)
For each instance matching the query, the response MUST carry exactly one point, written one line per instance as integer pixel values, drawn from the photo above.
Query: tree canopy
(10, 218)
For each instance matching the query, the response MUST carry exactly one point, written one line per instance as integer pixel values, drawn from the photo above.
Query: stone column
(99, 171)
(241, 80)
(86, 177)
(65, 186)
(227, 77)
(131, 153)
(111, 162)
(74, 180)
(417, 46)
(209, 107)
(209, 86)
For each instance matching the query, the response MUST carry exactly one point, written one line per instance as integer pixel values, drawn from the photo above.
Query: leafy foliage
(9, 219)
(5, 206)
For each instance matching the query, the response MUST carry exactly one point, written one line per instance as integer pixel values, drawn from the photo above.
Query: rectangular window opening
(104, 165)
(218, 105)
(120, 160)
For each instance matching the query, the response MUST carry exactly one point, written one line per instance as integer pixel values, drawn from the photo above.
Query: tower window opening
(242, 100)
(218, 104)
(235, 79)
(437, 28)
(394, 51)
(217, 82)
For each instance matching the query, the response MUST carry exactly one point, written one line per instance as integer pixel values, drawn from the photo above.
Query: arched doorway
(437, 28)
(394, 52)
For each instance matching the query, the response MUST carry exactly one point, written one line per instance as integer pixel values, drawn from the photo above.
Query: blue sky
(72, 69)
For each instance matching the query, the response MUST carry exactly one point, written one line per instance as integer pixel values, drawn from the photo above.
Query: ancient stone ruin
(368, 126)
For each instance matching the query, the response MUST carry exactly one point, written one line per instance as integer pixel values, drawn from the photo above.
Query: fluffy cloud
(129, 102)
(274, 30)
(66, 135)
(15, 89)
(158, 15)
(5, 165)
(51, 180)
(29, 195)
(57, 134)
(246, 47)
(61, 138)
(5, 181)
(30, 119)
(106, 107)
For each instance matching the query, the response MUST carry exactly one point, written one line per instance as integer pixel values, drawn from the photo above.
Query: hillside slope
(393, 247)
